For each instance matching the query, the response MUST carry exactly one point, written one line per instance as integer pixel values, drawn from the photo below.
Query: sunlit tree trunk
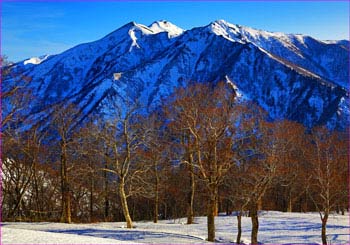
(124, 202)
(290, 202)
(190, 212)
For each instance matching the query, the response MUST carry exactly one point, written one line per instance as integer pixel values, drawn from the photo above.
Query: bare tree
(184, 149)
(329, 159)
(206, 114)
(20, 157)
(155, 154)
(63, 126)
(87, 175)
(45, 191)
(22, 142)
(261, 150)
(292, 167)
(123, 136)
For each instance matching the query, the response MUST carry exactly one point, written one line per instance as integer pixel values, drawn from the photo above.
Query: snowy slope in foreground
(22, 236)
(275, 228)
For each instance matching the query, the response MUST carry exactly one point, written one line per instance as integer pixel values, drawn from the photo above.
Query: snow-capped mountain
(291, 76)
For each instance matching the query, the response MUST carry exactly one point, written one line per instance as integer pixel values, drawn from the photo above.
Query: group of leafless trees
(202, 152)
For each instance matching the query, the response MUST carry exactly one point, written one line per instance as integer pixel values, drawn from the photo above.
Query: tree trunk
(239, 227)
(156, 205)
(324, 224)
(227, 207)
(124, 203)
(92, 184)
(38, 206)
(106, 213)
(165, 211)
(66, 201)
(216, 212)
(66, 204)
(156, 198)
(211, 221)
(255, 223)
(211, 214)
(290, 204)
(190, 213)
(304, 205)
(260, 203)
(18, 203)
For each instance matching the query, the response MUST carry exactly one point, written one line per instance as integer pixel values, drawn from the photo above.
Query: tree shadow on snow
(127, 235)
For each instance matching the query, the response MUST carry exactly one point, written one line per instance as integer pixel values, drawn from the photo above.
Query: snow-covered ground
(275, 228)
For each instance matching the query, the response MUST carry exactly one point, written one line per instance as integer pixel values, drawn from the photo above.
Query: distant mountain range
(291, 76)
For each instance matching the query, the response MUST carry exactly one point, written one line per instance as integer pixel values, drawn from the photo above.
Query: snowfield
(275, 228)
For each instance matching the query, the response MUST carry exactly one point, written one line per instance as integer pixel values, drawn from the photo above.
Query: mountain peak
(226, 30)
(221, 22)
(166, 26)
(224, 24)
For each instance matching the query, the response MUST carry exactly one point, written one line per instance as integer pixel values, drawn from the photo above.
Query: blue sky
(31, 29)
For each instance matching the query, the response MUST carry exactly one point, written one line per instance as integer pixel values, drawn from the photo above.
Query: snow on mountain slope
(291, 76)
(326, 59)
(35, 60)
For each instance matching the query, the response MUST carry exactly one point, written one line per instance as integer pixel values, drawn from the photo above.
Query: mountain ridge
(291, 76)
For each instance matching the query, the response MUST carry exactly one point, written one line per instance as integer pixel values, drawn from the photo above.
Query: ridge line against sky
(30, 29)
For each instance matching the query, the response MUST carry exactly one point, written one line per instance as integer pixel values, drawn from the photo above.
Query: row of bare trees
(201, 153)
